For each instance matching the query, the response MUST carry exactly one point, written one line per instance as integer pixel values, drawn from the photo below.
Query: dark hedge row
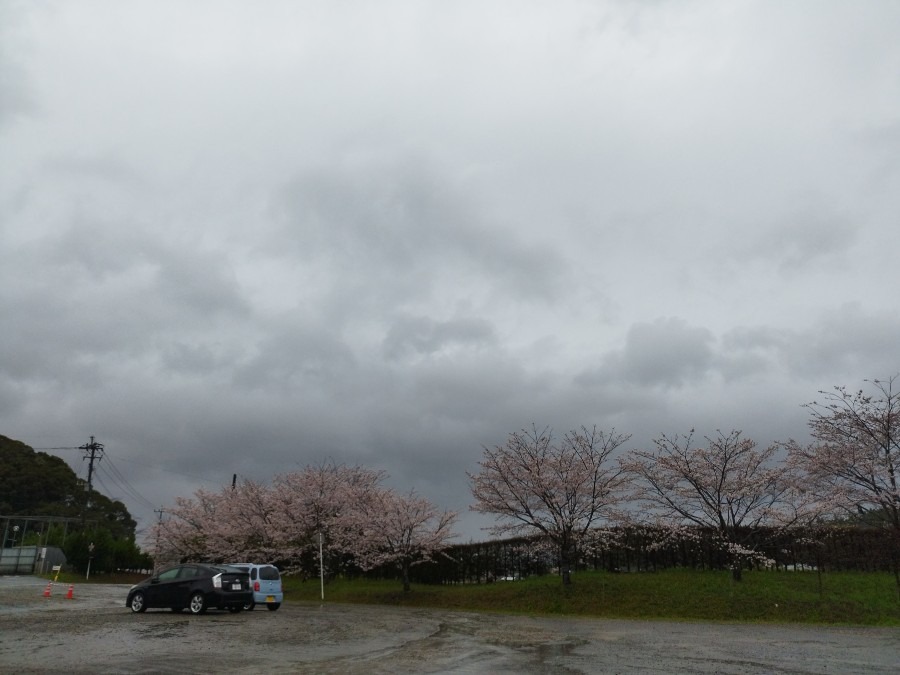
(850, 548)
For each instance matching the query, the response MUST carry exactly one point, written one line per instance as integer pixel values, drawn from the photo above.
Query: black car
(196, 587)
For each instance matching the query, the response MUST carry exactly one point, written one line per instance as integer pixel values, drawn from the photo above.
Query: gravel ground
(95, 633)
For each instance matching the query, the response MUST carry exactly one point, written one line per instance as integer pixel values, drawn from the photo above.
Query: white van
(265, 582)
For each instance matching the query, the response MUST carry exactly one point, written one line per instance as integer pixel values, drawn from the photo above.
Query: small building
(30, 559)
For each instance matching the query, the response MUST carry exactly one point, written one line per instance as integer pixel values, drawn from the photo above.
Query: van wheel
(272, 606)
(249, 606)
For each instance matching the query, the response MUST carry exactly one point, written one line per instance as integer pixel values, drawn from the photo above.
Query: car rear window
(269, 573)
(189, 573)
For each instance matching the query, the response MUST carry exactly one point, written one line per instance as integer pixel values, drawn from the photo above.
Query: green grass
(791, 597)
(858, 598)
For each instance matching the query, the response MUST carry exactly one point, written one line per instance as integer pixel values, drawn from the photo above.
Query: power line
(126, 485)
(122, 483)
(109, 493)
(174, 473)
(95, 452)
(134, 461)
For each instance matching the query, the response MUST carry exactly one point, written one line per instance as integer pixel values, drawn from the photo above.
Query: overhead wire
(128, 487)
(115, 476)
(152, 466)
(176, 473)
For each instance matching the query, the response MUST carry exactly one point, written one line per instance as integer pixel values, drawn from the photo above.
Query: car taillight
(256, 586)
(217, 581)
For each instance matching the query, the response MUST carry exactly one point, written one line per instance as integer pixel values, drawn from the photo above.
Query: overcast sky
(244, 237)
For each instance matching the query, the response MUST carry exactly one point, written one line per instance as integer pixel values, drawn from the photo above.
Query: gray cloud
(16, 97)
(258, 237)
(665, 353)
(806, 240)
(297, 358)
(405, 223)
(421, 335)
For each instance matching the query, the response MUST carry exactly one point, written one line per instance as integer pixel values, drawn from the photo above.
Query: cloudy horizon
(241, 238)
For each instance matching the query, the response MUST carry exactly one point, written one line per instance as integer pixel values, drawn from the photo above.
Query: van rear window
(269, 573)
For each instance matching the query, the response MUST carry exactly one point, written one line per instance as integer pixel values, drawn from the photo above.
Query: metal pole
(321, 567)
(18, 550)
(90, 557)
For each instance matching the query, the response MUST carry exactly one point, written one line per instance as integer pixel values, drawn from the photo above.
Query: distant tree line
(722, 492)
(578, 502)
(722, 503)
(844, 547)
(35, 484)
(567, 503)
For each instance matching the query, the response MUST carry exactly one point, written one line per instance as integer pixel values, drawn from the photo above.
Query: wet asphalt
(93, 632)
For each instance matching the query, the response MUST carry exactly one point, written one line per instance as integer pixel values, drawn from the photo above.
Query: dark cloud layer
(238, 239)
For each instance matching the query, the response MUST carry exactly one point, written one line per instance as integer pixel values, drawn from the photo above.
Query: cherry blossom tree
(185, 533)
(728, 485)
(561, 490)
(400, 530)
(854, 459)
(248, 515)
(234, 523)
(318, 501)
(343, 508)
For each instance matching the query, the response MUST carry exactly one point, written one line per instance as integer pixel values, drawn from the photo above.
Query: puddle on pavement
(102, 635)
(163, 630)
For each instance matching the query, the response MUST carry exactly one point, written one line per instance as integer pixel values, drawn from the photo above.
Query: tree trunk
(896, 567)
(736, 572)
(565, 555)
(404, 571)
(818, 569)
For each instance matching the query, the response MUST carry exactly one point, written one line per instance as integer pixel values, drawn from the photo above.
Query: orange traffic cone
(69, 594)
(47, 590)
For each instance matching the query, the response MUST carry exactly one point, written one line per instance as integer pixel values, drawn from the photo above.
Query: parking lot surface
(93, 632)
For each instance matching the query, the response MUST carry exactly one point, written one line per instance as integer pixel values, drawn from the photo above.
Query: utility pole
(160, 511)
(94, 452)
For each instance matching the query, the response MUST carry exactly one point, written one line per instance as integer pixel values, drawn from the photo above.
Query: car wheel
(138, 602)
(249, 606)
(197, 604)
(272, 606)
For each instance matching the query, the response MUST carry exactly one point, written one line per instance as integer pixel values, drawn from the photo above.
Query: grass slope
(797, 597)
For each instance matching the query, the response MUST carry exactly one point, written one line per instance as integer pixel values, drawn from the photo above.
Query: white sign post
(90, 557)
